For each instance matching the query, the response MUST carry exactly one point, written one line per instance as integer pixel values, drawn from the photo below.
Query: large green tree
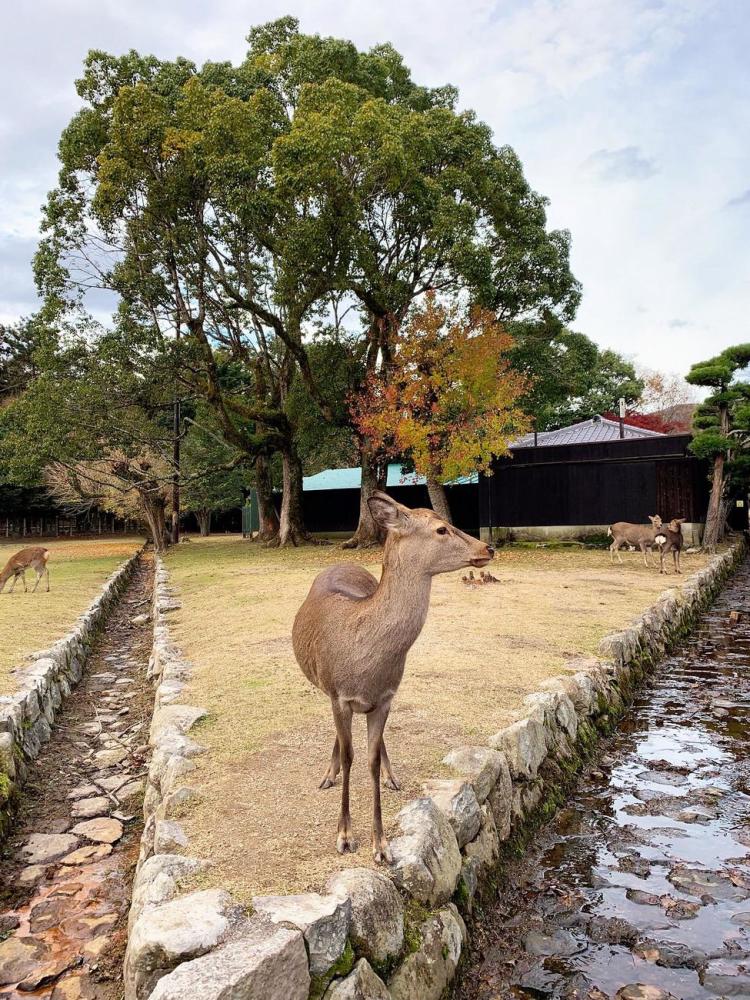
(722, 427)
(237, 207)
(432, 206)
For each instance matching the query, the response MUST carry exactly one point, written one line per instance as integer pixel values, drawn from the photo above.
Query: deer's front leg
(342, 716)
(376, 720)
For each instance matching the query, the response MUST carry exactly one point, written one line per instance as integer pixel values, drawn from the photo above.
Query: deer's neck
(401, 601)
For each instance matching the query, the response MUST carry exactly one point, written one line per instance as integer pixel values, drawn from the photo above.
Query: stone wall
(28, 714)
(370, 934)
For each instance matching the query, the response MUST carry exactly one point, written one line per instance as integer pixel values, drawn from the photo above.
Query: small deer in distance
(670, 540)
(352, 634)
(34, 558)
(643, 536)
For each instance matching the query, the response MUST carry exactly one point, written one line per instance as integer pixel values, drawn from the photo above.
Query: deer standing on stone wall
(352, 634)
(32, 558)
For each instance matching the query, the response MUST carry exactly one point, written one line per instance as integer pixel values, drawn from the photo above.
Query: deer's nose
(490, 550)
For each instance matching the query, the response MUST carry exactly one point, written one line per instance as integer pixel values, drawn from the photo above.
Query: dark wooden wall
(596, 484)
(570, 485)
(338, 510)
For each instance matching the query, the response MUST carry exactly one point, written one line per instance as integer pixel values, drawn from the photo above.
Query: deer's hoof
(346, 842)
(392, 784)
(327, 782)
(381, 852)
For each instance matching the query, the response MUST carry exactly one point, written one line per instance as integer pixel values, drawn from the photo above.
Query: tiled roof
(596, 429)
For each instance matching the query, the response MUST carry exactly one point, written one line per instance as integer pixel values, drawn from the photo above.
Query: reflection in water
(640, 888)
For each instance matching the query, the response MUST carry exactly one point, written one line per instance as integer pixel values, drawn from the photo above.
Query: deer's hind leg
(39, 575)
(329, 778)
(614, 550)
(390, 778)
(342, 716)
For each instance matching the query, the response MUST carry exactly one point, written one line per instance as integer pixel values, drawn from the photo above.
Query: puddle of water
(644, 876)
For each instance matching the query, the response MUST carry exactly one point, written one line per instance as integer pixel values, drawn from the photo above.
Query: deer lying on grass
(352, 634)
(32, 558)
(643, 536)
(669, 540)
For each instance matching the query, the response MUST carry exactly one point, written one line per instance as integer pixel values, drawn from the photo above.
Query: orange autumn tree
(450, 400)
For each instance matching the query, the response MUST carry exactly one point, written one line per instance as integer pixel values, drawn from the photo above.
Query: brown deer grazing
(672, 542)
(641, 535)
(352, 634)
(32, 558)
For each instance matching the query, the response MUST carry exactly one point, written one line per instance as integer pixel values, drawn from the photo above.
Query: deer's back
(34, 555)
(625, 529)
(346, 579)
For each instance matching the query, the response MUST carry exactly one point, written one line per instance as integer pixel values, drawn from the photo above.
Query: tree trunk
(176, 472)
(204, 522)
(374, 476)
(291, 523)
(713, 527)
(154, 513)
(439, 499)
(267, 517)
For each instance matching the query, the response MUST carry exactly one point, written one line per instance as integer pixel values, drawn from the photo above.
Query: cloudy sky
(632, 116)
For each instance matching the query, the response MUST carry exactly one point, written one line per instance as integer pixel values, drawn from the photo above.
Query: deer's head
(655, 520)
(424, 540)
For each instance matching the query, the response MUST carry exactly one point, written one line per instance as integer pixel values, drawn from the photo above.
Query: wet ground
(66, 871)
(640, 888)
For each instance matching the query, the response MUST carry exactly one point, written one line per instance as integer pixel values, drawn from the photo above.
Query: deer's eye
(442, 531)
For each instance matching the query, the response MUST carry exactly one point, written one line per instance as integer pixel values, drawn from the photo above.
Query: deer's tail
(609, 531)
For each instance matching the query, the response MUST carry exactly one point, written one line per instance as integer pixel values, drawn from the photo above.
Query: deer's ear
(387, 512)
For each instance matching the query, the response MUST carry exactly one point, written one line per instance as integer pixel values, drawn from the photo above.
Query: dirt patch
(29, 622)
(261, 819)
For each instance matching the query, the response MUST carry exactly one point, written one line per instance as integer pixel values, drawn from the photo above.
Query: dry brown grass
(261, 818)
(32, 621)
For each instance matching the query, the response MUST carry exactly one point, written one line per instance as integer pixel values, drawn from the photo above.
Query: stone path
(640, 888)
(65, 872)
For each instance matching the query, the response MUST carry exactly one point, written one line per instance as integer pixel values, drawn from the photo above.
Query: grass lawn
(32, 621)
(261, 818)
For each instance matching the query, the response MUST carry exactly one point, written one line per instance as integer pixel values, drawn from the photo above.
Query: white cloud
(740, 199)
(626, 164)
